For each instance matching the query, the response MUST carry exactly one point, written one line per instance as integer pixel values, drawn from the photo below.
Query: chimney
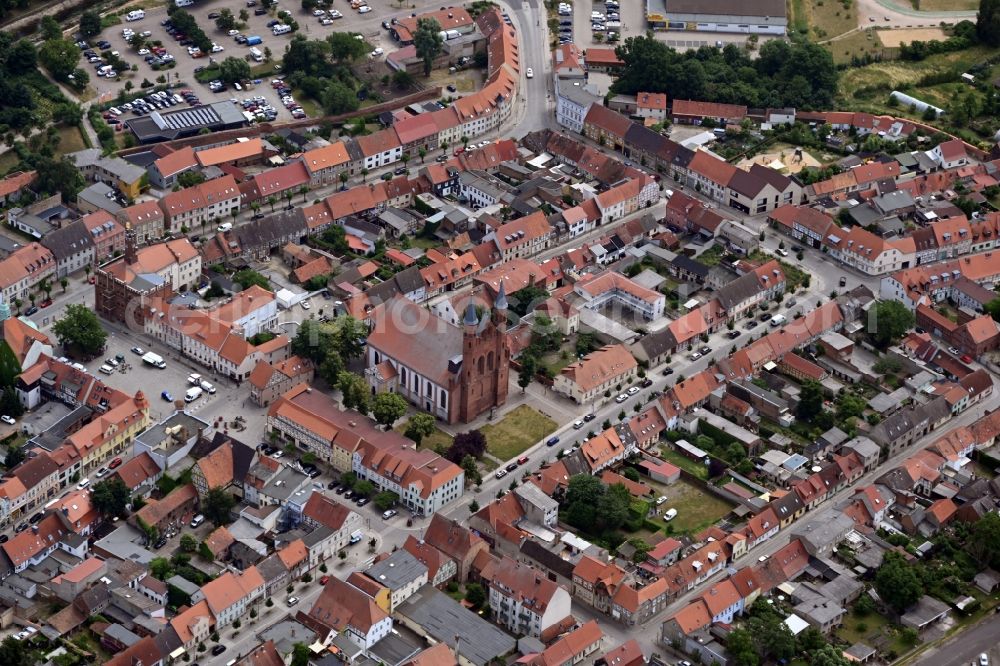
(130, 250)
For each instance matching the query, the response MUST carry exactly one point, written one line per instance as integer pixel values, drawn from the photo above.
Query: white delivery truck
(193, 394)
(154, 360)
(256, 54)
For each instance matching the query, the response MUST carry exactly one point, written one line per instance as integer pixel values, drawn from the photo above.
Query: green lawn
(854, 44)
(683, 462)
(71, 140)
(517, 431)
(434, 441)
(696, 509)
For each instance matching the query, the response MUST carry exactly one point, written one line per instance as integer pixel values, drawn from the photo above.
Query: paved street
(966, 646)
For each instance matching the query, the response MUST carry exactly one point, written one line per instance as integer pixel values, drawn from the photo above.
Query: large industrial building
(762, 17)
(183, 122)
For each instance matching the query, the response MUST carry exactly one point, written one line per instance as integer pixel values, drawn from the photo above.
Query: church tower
(485, 360)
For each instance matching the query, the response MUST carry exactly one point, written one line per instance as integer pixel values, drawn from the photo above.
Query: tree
(79, 331)
(188, 543)
(740, 645)
(50, 28)
(385, 500)
(15, 653)
(984, 540)
(888, 321)
(471, 443)
(345, 48)
(641, 549)
(473, 506)
(612, 507)
(828, 655)
(428, 42)
(988, 22)
(897, 582)
(301, 655)
(810, 400)
(402, 79)
(22, 58)
(475, 595)
(631, 474)
(160, 568)
(247, 277)
(529, 366)
(419, 426)
(110, 497)
(90, 23)
(60, 57)
(217, 506)
(472, 475)
(364, 488)
(232, 70)
(226, 21)
(388, 408)
(355, 391)
(582, 496)
(337, 98)
(15, 456)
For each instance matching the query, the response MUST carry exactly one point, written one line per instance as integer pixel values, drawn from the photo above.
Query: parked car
(386, 515)
(219, 649)
(9, 420)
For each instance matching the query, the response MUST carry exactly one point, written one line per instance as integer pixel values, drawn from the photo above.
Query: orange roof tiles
(240, 149)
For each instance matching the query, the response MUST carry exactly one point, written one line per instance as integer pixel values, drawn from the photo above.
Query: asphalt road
(965, 647)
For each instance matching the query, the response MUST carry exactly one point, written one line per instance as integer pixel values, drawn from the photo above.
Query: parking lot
(368, 25)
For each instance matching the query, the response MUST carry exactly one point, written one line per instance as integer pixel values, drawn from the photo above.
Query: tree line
(801, 74)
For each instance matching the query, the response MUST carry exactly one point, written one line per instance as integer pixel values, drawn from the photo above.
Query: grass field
(891, 74)
(945, 5)
(70, 140)
(434, 441)
(829, 18)
(696, 509)
(685, 463)
(515, 432)
(854, 44)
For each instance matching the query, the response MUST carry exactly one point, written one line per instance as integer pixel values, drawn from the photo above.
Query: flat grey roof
(447, 621)
(397, 570)
(734, 8)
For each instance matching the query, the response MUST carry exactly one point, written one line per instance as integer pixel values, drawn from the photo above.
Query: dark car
(30, 311)
(362, 501)
(331, 485)
(161, 543)
(843, 282)
(272, 23)
(750, 325)
(4, 538)
(552, 441)
(214, 15)
(23, 526)
(35, 518)
(340, 490)
(668, 371)
(511, 467)
(589, 417)
(732, 335)
(705, 350)
(218, 649)
(646, 383)
(260, 11)
(400, 171)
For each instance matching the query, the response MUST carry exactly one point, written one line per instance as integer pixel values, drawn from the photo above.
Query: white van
(193, 394)
(256, 54)
(183, 3)
(670, 515)
(135, 15)
(105, 369)
(197, 520)
(357, 536)
(225, 226)
(778, 320)
(206, 387)
(281, 29)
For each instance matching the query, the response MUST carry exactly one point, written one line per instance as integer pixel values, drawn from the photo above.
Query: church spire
(471, 318)
(501, 301)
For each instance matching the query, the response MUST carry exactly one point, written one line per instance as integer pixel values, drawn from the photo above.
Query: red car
(46, 303)
(115, 463)
(965, 357)
(324, 580)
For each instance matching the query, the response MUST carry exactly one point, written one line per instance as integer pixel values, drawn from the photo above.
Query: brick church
(454, 372)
